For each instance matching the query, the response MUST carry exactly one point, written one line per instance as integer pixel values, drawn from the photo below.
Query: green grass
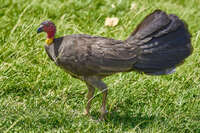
(37, 96)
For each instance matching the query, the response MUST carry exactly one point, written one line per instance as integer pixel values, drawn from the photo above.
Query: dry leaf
(113, 6)
(133, 6)
(111, 21)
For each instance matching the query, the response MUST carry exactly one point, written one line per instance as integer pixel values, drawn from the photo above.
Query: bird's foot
(86, 112)
(103, 115)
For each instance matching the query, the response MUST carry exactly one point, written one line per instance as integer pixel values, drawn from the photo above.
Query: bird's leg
(96, 82)
(90, 94)
(103, 107)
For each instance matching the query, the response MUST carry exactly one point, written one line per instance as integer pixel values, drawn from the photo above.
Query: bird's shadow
(126, 119)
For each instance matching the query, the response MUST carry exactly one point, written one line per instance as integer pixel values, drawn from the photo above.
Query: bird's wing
(97, 55)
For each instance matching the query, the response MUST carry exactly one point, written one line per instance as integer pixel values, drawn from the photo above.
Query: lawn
(37, 96)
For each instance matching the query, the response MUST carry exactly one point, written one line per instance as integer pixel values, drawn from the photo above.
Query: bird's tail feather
(164, 42)
(163, 72)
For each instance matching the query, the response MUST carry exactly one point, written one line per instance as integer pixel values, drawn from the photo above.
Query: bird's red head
(48, 27)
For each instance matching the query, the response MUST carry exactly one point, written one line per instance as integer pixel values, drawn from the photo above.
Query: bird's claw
(86, 112)
(103, 115)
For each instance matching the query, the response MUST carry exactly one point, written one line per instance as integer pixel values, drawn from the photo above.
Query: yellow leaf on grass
(113, 6)
(111, 21)
(133, 6)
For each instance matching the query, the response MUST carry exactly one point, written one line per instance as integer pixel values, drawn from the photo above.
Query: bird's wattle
(49, 41)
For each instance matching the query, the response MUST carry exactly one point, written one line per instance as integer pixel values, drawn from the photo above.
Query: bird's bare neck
(50, 37)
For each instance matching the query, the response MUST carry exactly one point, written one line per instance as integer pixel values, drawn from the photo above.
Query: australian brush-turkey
(159, 44)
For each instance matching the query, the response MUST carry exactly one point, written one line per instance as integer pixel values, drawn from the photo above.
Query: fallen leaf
(111, 21)
(113, 6)
(133, 6)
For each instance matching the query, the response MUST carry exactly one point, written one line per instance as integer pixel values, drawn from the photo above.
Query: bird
(159, 44)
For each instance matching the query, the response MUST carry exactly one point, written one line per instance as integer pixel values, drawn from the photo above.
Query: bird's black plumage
(159, 44)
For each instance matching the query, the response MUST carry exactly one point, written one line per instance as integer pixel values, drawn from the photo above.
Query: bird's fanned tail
(164, 41)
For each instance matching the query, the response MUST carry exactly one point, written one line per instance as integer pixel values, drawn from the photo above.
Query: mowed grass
(37, 96)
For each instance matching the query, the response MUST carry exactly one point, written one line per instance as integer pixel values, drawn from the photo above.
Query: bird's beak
(40, 29)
